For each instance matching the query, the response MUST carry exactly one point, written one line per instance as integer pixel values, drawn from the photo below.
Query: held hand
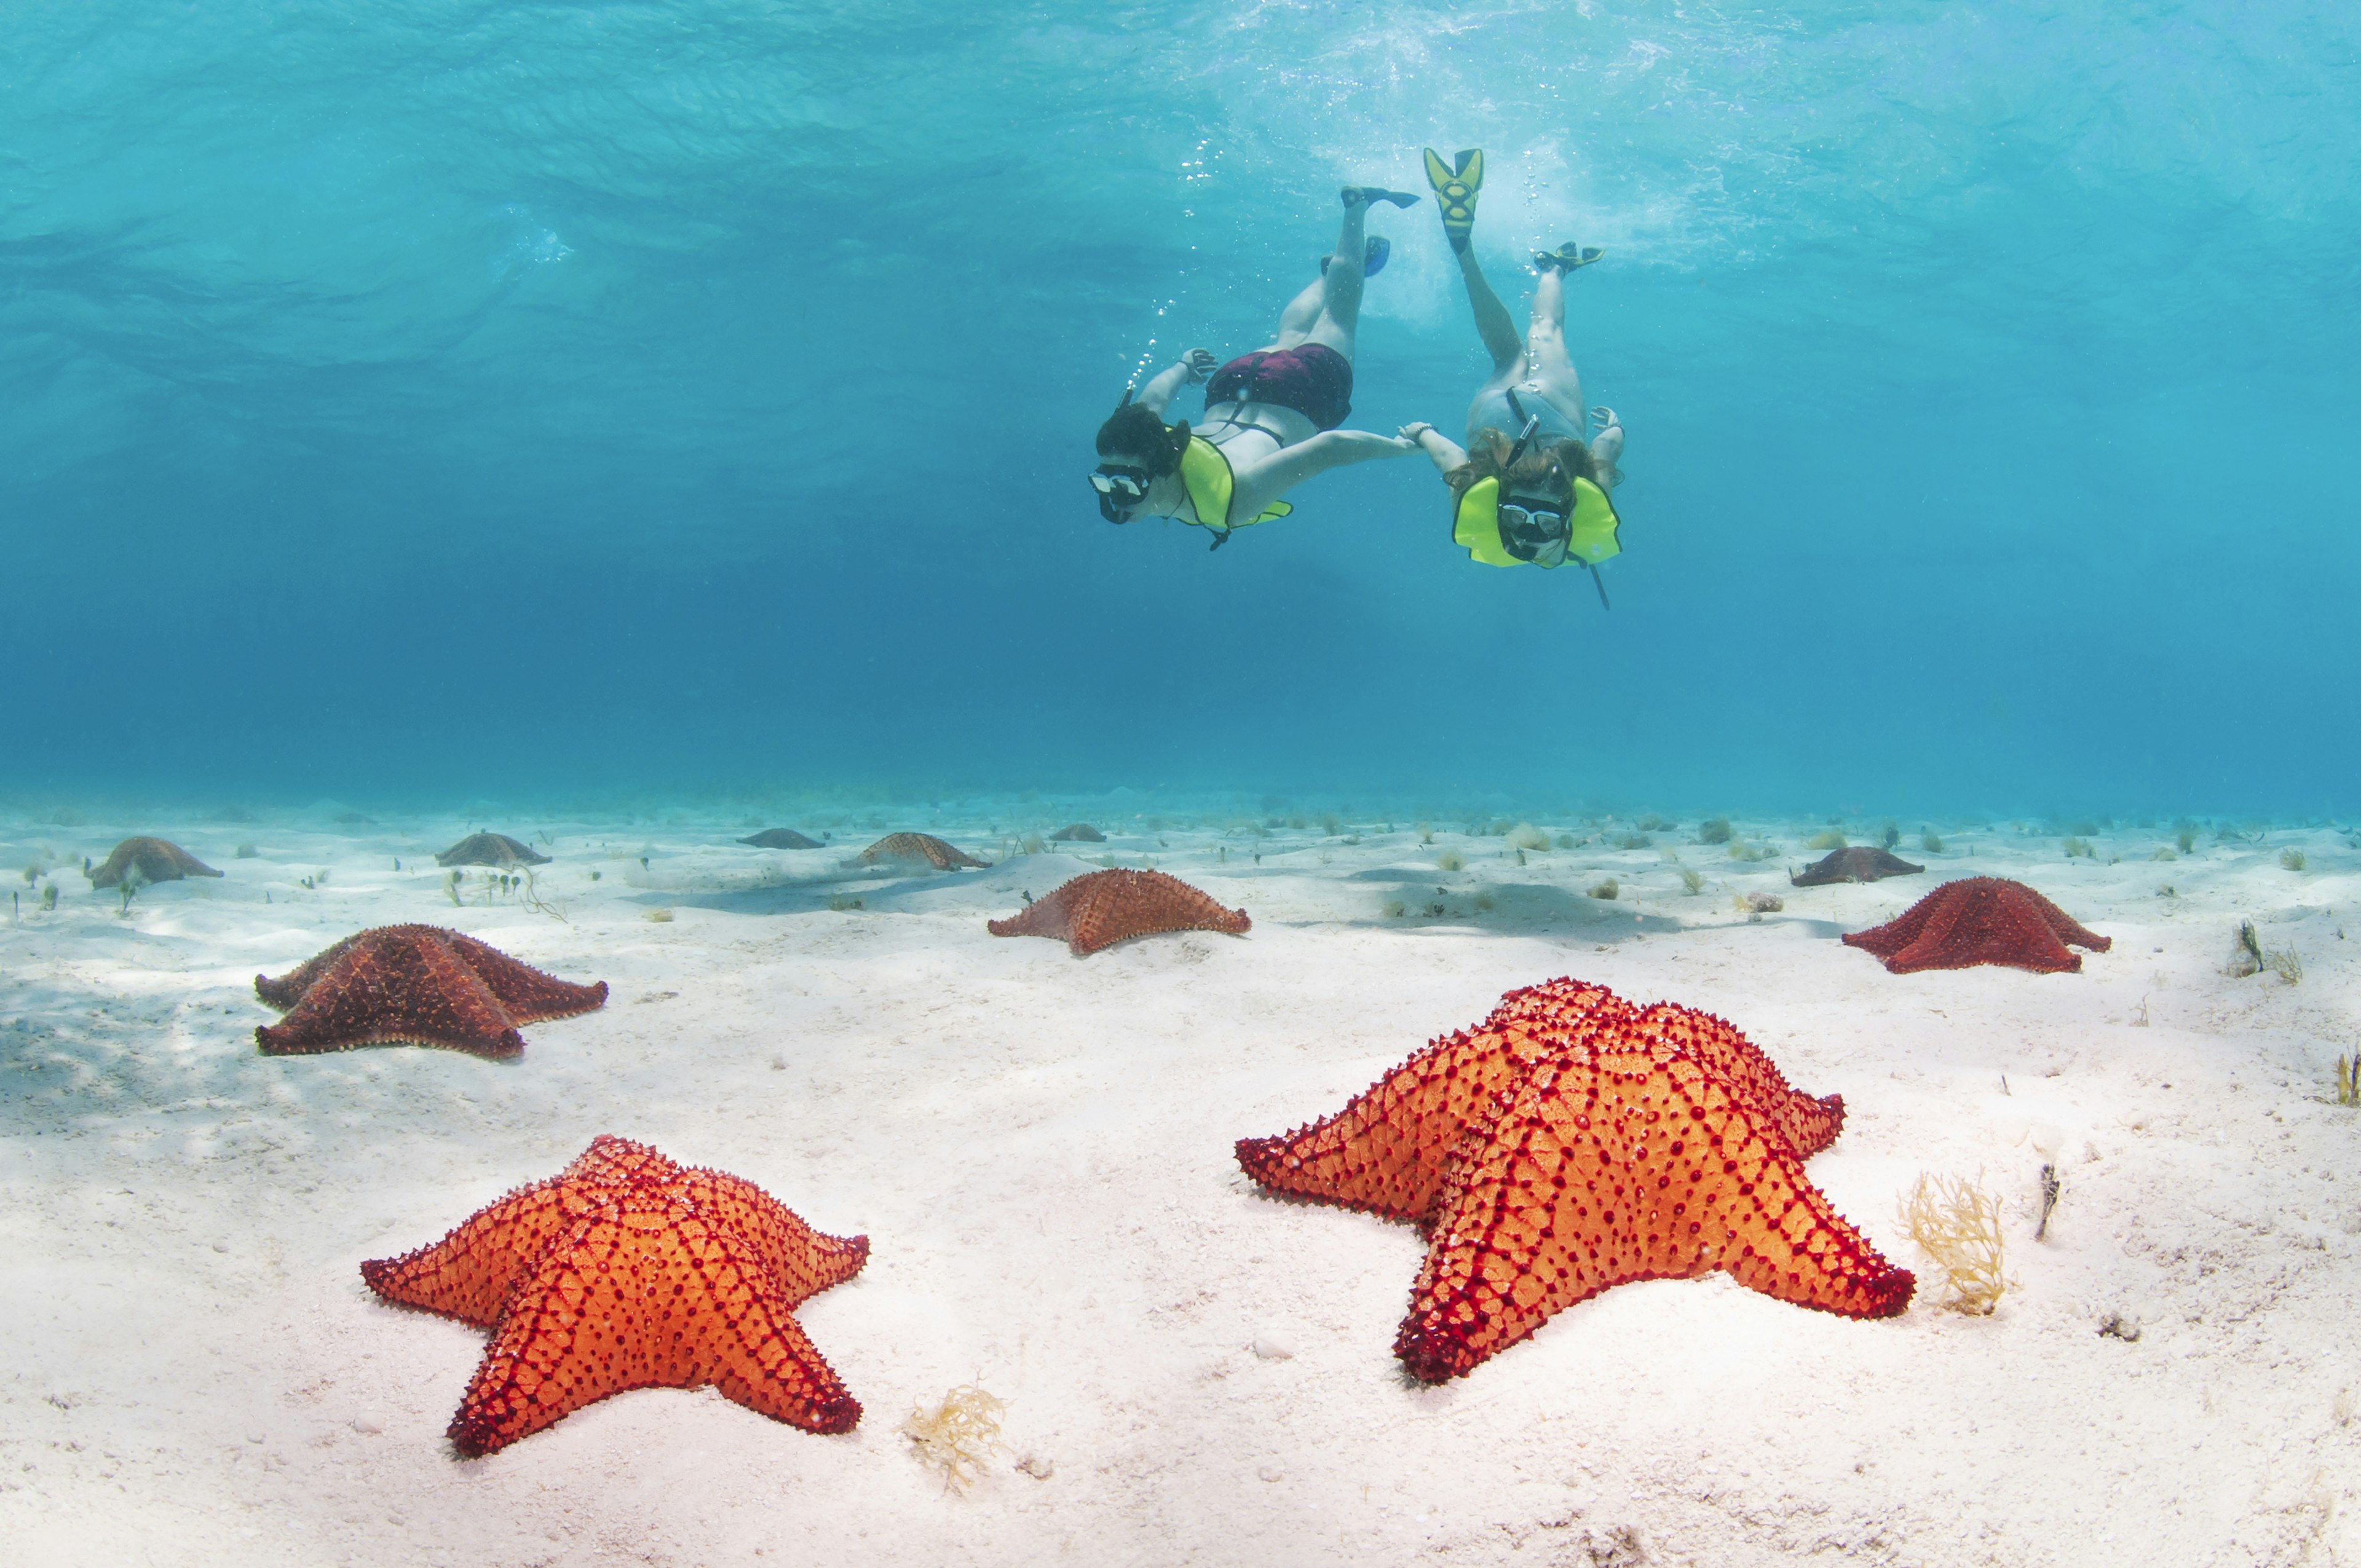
(1414, 429)
(1200, 363)
(1605, 416)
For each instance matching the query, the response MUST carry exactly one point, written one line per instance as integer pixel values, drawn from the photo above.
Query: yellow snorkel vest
(1592, 537)
(1206, 474)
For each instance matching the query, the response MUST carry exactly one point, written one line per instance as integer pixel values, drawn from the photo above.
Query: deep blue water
(442, 398)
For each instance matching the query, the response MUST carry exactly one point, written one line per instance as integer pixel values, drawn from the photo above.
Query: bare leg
(1552, 369)
(1329, 311)
(1493, 322)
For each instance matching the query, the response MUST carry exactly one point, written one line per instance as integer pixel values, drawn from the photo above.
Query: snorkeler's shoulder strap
(1206, 473)
(1595, 536)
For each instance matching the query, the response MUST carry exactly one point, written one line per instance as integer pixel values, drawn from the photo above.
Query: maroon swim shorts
(1314, 379)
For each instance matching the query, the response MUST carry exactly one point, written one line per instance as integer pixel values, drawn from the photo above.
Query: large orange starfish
(1099, 909)
(1572, 1142)
(415, 985)
(628, 1271)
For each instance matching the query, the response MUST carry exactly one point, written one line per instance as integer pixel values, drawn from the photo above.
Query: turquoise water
(430, 400)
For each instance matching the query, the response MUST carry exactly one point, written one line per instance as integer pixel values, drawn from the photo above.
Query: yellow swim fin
(1455, 187)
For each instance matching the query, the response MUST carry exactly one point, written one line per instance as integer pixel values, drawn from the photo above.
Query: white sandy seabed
(1040, 1150)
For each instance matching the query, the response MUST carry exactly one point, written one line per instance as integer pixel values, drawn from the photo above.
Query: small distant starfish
(1101, 908)
(780, 839)
(490, 850)
(148, 860)
(925, 847)
(1860, 863)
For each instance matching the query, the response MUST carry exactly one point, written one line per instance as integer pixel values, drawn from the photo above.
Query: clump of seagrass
(2348, 1080)
(958, 1434)
(1956, 1222)
(1525, 836)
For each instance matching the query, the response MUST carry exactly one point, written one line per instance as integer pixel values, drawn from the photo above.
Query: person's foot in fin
(1567, 258)
(1455, 186)
(1373, 259)
(1355, 196)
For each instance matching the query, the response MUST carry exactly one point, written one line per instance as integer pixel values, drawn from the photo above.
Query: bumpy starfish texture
(925, 847)
(1101, 908)
(1572, 1142)
(1079, 833)
(628, 1271)
(781, 839)
(415, 985)
(490, 850)
(1860, 863)
(148, 860)
(1980, 920)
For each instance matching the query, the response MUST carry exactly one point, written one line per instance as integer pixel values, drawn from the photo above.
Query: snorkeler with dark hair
(1531, 486)
(1271, 416)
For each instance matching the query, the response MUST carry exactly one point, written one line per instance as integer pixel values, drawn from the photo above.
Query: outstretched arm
(1259, 484)
(1441, 450)
(1193, 366)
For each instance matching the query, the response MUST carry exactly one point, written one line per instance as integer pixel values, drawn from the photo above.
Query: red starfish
(416, 985)
(1571, 1143)
(1980, 920)
(925, 847)
(1099, 909)
(629, 1271)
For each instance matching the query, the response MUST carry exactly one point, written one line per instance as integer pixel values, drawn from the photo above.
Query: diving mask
(1119, 487)
(1539, 535)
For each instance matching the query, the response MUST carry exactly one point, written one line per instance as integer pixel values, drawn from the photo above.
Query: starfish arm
(286, 991)
(1388, 1150)
(1608, 1167)
(803, 1262)
(470, 1273)
(644, 1292)
(529, 995)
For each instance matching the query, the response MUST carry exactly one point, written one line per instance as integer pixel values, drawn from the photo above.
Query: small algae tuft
(1610, 888)
(841, 902)
(958, 1435)
(1568, 842)
(1889, 835)
(245, 852)
(2165, 852)
(1827, 840)
(2246, 956)
(1755, 905)
(1483, 903)
(2291, 859)
(1395, 908)
(1451, 860)
(1690, 880)
(1525, 836)
(1652, 823)
(1425, 834)
(659, 914)
(2348, 1080)
(2187, 841)
(1741, 850)
(1931, 841)
(1714, 830)
(2075, 847)
(1634, 842)
(1957, 1223)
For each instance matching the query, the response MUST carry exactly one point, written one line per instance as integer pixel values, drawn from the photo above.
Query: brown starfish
(415, 985)
(781, 839)
(1980, 920)
(147, 860)
(629, 1271)
(1860, 863)
(1101, 908)
(1079, 833)
(925, 847)
(490, 850)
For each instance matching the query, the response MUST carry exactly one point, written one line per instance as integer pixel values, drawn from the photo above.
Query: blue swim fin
(1373, 260)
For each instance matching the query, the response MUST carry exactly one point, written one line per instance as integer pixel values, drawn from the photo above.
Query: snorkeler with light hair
(1271, 416)
(1531, 486)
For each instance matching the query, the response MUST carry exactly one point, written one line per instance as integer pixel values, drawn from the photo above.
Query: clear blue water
(438, 399)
